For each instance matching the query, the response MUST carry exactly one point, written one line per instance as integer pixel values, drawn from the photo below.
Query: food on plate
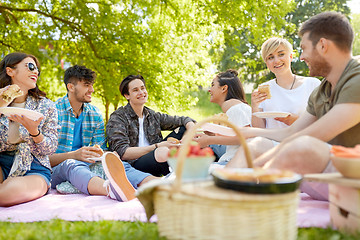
(265, 89)
(98, 150)
(173, 140)
(11, 93)
(222, 116)
(257, 175)
(346, 152)
(193, 151)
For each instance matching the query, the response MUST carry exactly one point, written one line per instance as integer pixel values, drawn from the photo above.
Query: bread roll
(173, 140)
(11, 93)
(98, 150)
(265, 89)
(221, 116)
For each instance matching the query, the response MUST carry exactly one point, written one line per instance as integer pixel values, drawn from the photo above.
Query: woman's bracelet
(35, 135)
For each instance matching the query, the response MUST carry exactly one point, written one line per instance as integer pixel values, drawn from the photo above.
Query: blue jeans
(6, 162)
(78, 174)
(218, 150)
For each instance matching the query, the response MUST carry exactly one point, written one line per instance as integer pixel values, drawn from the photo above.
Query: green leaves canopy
(172, 43)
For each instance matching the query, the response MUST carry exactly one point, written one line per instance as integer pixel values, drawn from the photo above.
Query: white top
(240, 115)
(143, 142)
(285, 100)
(14, 134)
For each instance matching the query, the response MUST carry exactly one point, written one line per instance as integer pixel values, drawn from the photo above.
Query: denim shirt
(93, 125)
(27, 147)
(122, 129)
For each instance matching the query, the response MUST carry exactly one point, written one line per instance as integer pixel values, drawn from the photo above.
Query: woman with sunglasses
(25, 143)
(289, 92)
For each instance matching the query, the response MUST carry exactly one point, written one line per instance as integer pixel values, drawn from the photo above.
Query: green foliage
(242, 50)
(355, 22)
(168, 42)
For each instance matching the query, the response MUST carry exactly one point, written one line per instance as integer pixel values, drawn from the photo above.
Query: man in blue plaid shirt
(82, 127)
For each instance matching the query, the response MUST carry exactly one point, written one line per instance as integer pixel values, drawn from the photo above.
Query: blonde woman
(289, 92)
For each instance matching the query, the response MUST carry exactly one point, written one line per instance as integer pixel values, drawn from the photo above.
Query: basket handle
(186, 144)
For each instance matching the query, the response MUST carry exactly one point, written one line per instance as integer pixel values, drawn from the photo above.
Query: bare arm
(277, 134)
(206, 140)
(82, 154)
(132, 153)
(339, 119)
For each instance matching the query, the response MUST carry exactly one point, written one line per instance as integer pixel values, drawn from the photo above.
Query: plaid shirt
(92, 126)
(122, 129)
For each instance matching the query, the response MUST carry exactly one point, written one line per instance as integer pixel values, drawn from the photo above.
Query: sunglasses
(32, 67)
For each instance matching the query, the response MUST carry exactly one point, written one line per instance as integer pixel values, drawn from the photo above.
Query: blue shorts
(7, 159)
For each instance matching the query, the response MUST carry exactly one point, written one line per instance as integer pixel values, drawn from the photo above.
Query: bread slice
(265, 89)
(98, 150)
(11, 93)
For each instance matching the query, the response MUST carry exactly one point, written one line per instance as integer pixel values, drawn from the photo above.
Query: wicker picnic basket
(200, 210)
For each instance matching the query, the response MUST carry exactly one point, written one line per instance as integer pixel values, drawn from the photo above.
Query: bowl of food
(346, 160)
(197, 162)
(257, 180)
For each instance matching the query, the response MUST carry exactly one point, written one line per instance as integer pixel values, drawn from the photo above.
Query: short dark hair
(235, 88)
(78, 73)
(124, 85)
(330, 25)
(11, 60)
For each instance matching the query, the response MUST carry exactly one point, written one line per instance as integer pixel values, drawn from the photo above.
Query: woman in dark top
(134, 131)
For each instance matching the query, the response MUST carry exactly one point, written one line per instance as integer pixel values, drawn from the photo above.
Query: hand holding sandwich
(84, 153)
(9, 93)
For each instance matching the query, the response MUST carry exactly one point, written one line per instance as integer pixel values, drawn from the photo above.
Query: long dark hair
(11, 60)
(235, 88)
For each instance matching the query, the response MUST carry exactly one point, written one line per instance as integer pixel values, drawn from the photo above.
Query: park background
(177, 45)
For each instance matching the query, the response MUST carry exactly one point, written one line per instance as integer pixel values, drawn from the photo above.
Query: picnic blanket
(80, 207)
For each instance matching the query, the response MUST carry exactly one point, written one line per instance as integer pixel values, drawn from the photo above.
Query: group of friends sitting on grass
(63, 143)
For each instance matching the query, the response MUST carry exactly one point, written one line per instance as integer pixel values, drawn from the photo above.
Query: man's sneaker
(119, 187)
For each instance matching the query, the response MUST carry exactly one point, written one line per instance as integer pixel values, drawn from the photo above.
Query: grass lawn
(59, 229)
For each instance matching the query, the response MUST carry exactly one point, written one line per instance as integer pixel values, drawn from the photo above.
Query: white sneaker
(118, 185)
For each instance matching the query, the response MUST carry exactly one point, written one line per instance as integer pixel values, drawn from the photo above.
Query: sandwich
(173, 140)
(222, 116)
(98, 150)
(11, 93)
(265, 89)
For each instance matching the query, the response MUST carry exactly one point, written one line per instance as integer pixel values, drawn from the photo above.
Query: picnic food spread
(340, 151)
(257, 175)
(193, 151)
(265, 89)
(258, 181)
(12, 92)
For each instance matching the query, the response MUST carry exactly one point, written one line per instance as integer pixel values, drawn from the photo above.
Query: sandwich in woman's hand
(11, 93)
(265, 89)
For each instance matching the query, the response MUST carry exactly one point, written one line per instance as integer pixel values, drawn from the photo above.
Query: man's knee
(304, 154)
(259, 145)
